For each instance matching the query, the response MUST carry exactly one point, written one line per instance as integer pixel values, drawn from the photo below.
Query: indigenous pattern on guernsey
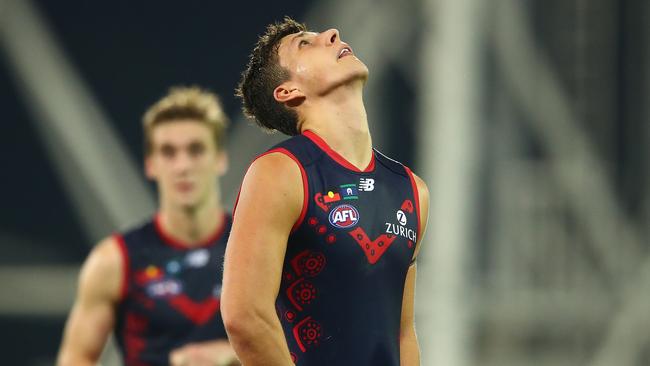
(347, 257)
(171, 293)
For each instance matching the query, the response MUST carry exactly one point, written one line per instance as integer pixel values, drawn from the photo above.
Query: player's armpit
(270, 202)
(93, 313)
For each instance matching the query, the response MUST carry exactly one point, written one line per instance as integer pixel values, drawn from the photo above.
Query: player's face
(185, 162)
(319, 62)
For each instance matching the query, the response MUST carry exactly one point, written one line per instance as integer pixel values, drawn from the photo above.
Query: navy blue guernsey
(170, 295)
(340, 299)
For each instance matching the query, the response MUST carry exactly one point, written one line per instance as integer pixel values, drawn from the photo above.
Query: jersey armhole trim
(305, 185)
(416, 196)
(121, 245)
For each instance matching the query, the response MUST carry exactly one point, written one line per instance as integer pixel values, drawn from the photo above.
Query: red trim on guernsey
(179, 244)
(126, 264)
(199, 313)
(334, 155)
(416, 196)
(134, 340)
(305, 185)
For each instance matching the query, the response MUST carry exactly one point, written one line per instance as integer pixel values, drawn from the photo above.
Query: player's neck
(340, 119)
(192, 225)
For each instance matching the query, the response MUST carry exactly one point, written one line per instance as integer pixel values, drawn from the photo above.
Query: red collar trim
(334, 155)
(179, 244)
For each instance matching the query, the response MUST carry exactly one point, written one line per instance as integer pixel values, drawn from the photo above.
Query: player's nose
(331, 36)
(182, 162)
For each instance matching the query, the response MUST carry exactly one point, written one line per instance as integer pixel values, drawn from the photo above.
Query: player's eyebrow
(299, 35)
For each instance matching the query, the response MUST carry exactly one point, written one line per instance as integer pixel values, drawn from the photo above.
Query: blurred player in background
(158, 286)
(327, 227)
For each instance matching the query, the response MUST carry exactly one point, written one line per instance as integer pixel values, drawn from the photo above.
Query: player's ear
(222, 162)
(288, 93)
(149, 167)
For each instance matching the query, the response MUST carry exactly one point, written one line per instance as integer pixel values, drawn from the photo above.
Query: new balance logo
(366, 184)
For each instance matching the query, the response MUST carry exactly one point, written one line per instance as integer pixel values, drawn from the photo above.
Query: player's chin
(355, 76)
(187, 201)
(358, 72)
(359, 67)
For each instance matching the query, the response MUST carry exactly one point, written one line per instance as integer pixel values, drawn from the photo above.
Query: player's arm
(209, 353)
(409, 348)
(93, 314)
(270, 202)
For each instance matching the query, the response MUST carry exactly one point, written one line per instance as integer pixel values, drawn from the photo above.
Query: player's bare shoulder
(277, 165)
(276, 172)
(102, 272)
(423, 190)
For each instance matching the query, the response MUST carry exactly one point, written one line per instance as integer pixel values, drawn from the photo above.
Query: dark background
(532, 234)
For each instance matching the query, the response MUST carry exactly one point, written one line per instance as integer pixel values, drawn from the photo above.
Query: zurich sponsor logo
(344, 216)
(403, 231)
(401, 217)
(400, 229)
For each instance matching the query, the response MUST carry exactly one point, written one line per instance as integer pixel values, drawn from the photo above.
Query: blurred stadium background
(528, 119)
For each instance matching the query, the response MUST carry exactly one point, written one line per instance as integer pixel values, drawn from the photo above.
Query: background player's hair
(191, 103)
(263, 74)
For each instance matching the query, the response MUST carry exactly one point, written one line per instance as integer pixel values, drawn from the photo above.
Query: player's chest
(178, 286)
(372, 216)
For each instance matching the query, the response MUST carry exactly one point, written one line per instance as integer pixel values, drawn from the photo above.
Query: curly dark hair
(263, 74)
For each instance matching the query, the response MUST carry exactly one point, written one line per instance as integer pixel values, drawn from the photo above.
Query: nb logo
(366, 184)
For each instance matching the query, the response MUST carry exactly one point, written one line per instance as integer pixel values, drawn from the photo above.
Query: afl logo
(344, 216)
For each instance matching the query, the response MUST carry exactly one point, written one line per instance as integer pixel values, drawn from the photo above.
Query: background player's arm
(269, 204)
(409, 349)
(93, 314)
